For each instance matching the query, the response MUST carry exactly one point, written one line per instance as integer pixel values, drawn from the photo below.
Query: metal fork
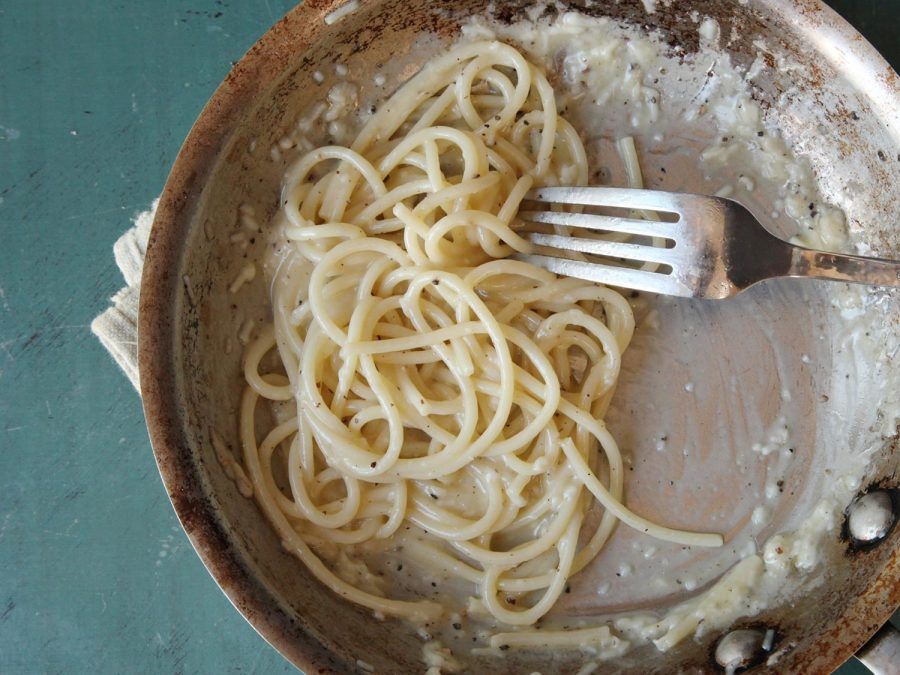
(719, 248)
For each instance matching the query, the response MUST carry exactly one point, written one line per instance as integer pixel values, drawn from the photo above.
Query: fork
(717, 247)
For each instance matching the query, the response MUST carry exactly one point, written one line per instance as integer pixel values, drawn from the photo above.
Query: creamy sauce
(629, 73)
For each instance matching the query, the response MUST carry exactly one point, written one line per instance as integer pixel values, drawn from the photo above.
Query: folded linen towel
(117, 326)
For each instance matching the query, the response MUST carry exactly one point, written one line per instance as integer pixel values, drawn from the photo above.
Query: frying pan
(838, 106)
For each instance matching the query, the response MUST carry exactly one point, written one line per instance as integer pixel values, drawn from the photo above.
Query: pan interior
(736, 416)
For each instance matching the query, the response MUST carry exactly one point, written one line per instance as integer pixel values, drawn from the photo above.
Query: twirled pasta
(443, 397)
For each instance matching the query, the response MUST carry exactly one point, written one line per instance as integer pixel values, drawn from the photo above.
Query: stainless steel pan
(840, 109)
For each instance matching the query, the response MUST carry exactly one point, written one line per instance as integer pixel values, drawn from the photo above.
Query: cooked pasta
(434, 394)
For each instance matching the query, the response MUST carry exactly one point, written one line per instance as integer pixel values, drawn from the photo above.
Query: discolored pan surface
(840, 116)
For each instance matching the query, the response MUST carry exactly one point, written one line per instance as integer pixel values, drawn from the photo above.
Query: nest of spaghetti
(436, 396)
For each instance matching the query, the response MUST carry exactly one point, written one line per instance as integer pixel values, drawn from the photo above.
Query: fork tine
(610, 249)
(589, 221)
(622, 277)
(625, 198)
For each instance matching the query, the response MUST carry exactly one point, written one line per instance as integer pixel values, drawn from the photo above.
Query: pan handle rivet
(870, 517)
(743, 647)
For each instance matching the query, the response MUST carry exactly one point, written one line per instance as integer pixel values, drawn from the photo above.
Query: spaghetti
(435, 394)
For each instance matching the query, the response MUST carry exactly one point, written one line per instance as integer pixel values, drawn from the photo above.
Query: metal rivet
(743, 647)
(871, 517)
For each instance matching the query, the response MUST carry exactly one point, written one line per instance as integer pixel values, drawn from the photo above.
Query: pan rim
(157, 323)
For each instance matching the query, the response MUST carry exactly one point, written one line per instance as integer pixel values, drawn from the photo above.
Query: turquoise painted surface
(95, 99)
(95, 572)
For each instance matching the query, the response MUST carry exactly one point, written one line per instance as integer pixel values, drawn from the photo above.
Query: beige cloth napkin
(117, 326)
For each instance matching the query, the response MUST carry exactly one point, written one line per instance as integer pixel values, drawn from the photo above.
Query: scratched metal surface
(95, 99)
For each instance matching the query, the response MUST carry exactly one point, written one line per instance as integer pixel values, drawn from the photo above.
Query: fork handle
(838, 267)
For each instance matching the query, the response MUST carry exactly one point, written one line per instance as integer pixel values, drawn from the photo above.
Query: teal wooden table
(95, 99)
